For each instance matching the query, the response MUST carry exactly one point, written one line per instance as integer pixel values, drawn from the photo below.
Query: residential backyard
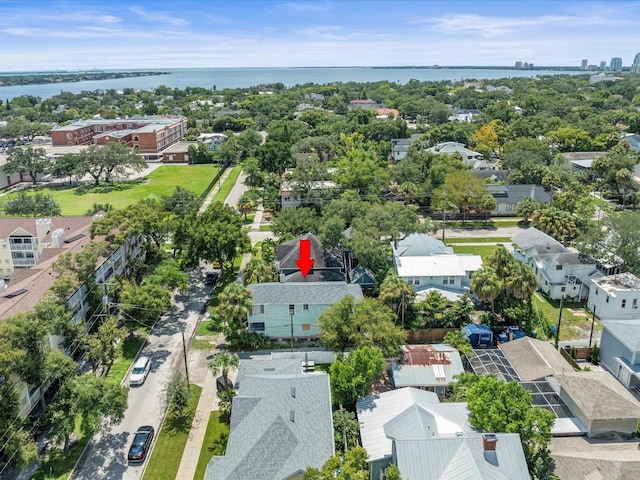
(76, 200)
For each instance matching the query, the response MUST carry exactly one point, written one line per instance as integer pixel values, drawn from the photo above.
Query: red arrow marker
(305, 262)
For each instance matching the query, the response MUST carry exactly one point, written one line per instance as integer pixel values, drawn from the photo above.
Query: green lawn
(228, 184)
(478, 240)
(483, 250)
(211, 443)
(57, 465)
(162, 181)
(167, 453)
(266, 228)
(576, 321)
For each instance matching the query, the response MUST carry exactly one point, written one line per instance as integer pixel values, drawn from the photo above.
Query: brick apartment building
(150, 135)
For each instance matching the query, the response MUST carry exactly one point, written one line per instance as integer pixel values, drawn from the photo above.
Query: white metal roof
(438, 265)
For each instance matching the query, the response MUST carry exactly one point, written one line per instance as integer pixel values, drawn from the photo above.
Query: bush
(595, 354)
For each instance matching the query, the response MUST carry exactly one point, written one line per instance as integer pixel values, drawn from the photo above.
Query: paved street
(106, 457)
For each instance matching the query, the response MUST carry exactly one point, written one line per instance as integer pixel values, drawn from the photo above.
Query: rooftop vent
(292, 415)
(293, 392)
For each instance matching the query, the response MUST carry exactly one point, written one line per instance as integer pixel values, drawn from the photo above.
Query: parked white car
(140, 370)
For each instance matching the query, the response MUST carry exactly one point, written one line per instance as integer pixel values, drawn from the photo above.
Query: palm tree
(396, 294)
(253, 175)
(245, 205)
(486, 285)
(259, 271)
(223, 362)
(502, 261)
(522, 283)
(460, 342)
(234, 304)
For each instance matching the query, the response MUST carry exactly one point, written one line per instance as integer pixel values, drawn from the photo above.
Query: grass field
(452, 240)
(576, 321)
(483, 250)
(215, 430)
(167, 453)
(162, 181)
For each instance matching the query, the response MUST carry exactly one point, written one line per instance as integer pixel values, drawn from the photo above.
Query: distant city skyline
(64, 35)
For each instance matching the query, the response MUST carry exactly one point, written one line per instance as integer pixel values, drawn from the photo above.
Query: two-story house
(427, 263)
(615, 297)
(561, 271)
(292, 310)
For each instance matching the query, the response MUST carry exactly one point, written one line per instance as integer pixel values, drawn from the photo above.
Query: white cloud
(159, 17)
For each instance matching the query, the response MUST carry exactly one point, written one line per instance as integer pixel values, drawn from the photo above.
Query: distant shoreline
(43, 78)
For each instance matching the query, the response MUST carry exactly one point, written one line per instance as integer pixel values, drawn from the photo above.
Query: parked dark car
(211, 278)
(141, 444)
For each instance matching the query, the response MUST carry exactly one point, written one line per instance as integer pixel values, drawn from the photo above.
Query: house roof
(288, 252)
(438, 265)
(22, 226)
(461, 458)
(454, 147)
(626, 331)
(426, 365)
(599, 396)
(543, 243)
(311, 293)
(375, 411)
(281, 424)
(419, 245)
(534, 359)
(517, 193)
(315, 275)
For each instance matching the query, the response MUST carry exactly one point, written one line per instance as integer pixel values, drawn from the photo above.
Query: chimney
(43, 226)
(57, 238)
(489, 441)
(282, 278)
(533, 192)
(293, 392)
(292, 416)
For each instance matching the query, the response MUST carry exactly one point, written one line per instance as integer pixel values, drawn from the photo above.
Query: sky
(37, 35)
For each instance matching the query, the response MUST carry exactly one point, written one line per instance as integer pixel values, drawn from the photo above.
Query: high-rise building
(585, 63)
(519, 64)
(603, 65)
(635, 66)
(616, 64)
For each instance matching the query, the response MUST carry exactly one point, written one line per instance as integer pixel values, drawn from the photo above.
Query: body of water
(248, 77)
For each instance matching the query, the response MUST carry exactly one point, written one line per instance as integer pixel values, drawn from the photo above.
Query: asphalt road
(106, 456)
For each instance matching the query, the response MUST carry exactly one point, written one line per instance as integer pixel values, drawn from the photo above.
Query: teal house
(280, 307)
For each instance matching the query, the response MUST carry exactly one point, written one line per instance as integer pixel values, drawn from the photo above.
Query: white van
(140, 370)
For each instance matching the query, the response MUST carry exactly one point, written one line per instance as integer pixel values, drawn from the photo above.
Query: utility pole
(559, 321)
(291, 317)
(186, 365)
(593, 320)
(444, 212)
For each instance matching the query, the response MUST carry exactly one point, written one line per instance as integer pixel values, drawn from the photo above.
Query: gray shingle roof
(534, 359)
(311, 293)
(420, 245)
(543, 243)
(517, 193)
(266, 440)
(599, 396)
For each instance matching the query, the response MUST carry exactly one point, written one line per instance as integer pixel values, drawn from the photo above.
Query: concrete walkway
(209, 396)
(208, 402)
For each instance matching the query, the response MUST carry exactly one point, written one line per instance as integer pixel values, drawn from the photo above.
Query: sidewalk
(208, 402)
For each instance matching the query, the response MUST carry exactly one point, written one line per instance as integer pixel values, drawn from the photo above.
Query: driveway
(106, 456)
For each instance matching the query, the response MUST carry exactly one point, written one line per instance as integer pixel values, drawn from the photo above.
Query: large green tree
(350, 465)
(486, 284)
(114, 158)
(217, 235)
(234, 304)
(362, 323)
(28, 160)
(222, 363)
(496, 406)
(352, 376)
